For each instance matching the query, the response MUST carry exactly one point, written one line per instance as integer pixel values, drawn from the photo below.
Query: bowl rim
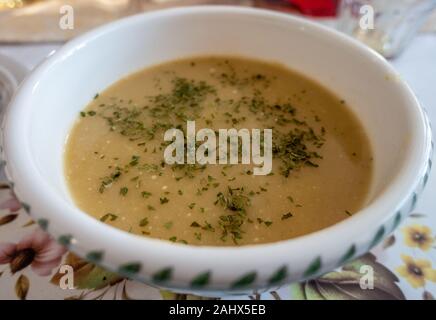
(27, 179)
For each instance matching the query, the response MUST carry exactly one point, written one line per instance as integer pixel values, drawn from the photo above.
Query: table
(393, 261)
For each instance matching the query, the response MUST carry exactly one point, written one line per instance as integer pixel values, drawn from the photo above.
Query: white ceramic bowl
(47, 103)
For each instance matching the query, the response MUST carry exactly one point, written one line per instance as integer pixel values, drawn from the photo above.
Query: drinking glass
(395, 22)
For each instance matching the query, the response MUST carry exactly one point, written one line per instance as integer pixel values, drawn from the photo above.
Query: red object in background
(319, 8)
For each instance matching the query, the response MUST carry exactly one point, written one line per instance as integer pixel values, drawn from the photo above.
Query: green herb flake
(168, 225)
(134, 161)
(124, 191)
(191, 205)
(143, 222)
(109, 216)
(164, 200)
(197, 235)
(208, 227)
(145, 194)
(287, 216)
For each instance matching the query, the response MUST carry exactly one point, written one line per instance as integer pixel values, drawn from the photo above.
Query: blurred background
(396, 21)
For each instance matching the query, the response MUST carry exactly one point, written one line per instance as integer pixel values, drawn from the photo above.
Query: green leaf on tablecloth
(169, 295)
(342, 277)
(87, 275)
(346, 283)
(370, 260)
(22, 287)
(297, 291)
(311, 291)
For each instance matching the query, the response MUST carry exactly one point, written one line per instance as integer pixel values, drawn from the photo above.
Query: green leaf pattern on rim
(163, 275)
(65, 239)
(397, 221)
(201, 280)
(95, 256)
(314, 267)
(129, 269)
(349, 254)
(245, 280)
(279, 275)
(378, 237)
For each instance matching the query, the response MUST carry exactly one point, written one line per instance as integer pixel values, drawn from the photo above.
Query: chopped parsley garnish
(143, 222)
(146, 194)
(168, 225)
(191, 205)
(287, 216)
(124, 191)
(108, 216)
(164, 200)
(236, 201)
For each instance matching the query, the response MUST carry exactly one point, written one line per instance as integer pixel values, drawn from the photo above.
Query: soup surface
(321, 157)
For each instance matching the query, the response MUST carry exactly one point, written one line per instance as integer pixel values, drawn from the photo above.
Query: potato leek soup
(116, 169)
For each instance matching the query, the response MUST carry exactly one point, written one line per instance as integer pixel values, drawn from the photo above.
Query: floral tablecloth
(404, 264)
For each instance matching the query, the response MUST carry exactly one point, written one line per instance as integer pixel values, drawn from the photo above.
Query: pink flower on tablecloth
(37, 249)
(11, 203)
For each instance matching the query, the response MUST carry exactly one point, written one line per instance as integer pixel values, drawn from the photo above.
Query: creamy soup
(321, 157)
